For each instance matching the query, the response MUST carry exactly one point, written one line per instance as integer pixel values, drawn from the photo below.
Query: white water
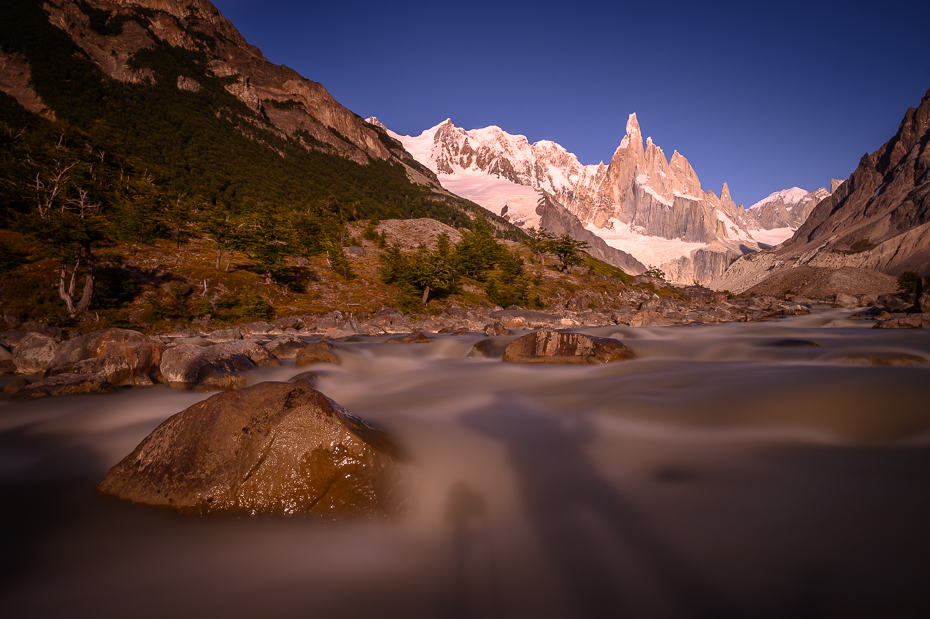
(713, 476)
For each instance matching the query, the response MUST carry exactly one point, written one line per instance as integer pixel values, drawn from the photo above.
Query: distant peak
(632, 126)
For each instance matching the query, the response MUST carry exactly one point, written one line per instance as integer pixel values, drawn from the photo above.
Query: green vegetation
(910, 282)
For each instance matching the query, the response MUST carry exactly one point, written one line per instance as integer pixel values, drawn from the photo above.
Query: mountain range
(879, 218)
(640, 203)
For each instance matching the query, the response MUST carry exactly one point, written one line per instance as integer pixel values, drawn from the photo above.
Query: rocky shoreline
(206, 360)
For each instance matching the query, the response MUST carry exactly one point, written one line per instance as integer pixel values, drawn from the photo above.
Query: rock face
(281, 98)
(638, 194)
(877, 219)
(558, 347)
(280, 448)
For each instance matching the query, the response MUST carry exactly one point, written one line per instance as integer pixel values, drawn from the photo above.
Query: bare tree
(67, 295)
(49, 188)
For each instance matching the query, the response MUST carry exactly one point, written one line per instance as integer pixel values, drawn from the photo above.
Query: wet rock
(911, 321)
(225, 335)
(558, 347)
(491, 348)
(307, 377)
(317, 352)
(285, 347)
(12, 337)
(142, 380)
(495, 328)
(255, 352)
(280, 448)
(221, 381)
(7, 365)
(183, 367)
(34, 353)
(119, 354)
(845, 300)
(63, 384)
(15, 386)
(649, 318)
(414, 338)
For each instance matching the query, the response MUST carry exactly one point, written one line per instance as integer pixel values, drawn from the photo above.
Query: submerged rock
(281, 448)
(63, 384)
(557, 347)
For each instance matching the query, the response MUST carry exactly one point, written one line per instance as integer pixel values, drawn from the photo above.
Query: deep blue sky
(763, 96)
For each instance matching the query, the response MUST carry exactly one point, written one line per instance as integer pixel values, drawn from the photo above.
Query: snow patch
(650, 250)
(774, 236)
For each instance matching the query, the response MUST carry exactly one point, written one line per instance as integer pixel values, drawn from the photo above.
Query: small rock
(221, 381)
(494, 329)
(285, 347)
(225, 335)
(414, 338)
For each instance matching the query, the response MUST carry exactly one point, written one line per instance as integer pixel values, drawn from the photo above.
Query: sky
(760, 95)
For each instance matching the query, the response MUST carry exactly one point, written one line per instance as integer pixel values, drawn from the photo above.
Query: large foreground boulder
(118, 354)
(280, 448)
(558, 347)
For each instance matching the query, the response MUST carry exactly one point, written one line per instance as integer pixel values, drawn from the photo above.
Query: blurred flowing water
(724, 473)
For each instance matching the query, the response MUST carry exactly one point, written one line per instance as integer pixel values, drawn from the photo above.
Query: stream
(728, 471)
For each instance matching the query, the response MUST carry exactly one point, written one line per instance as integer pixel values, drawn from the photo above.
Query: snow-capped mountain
(774, 219)
(640, 202)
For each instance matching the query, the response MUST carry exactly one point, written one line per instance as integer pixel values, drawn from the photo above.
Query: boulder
(34, 353)
(119, 354)
(317, 352)
(923, 303)
(255, 352)
(910, 321)
(257, 327)
(225, 335)
(63, 384)
(288, 322)
(221, 381)
(495, 328)
(281, 448)
(647, 318)
(183, 367)
(12, 337)
(285, 347)
(845, 300)
(7, 365)
(41, 327)
(558, 347)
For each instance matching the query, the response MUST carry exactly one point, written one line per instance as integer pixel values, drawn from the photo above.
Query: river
(723, 473)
